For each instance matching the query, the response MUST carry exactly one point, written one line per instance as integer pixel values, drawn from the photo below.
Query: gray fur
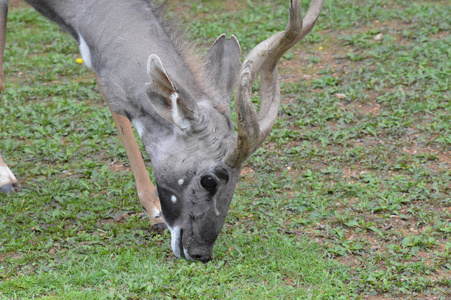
(121, 35)
(180, 105)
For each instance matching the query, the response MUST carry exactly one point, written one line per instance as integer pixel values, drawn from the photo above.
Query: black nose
(202, 258)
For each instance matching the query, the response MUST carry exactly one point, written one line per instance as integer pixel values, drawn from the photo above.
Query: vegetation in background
(349, 198)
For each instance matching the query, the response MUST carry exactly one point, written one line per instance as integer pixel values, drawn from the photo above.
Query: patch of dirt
(300, 67)
(436, 156)
(332, 53)
(13, 255)
(233, 5)
(226, 5)
(367, 108)
(247, 171)
(16, 3)
(117, 166)
(120, 217)
(440, 35)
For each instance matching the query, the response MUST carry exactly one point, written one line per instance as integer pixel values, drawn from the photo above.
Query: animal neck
(117, 37)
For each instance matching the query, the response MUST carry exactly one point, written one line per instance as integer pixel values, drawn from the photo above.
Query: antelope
(179, 105)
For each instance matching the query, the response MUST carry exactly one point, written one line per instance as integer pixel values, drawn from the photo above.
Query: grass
(349, 198)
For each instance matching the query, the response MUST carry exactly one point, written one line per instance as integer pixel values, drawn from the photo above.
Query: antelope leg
(8, 182)
(146, 190)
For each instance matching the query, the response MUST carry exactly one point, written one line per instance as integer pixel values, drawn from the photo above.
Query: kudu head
(196, 169)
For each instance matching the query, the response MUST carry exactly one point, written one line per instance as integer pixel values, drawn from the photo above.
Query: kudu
(183, 114)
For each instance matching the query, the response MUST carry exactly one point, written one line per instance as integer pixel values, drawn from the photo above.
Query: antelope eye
(208, 183)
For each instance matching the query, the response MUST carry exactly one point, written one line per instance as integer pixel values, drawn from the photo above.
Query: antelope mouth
(176, 243)
(176, 240)
(182, 252)
(180, 245)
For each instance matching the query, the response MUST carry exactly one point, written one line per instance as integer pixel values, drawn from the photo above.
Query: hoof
(10, 188)
(160, 227)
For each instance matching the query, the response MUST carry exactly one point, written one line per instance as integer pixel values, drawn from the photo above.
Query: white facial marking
(177, 116)
(173, 199)
(157, 213)
(181, 181)
(139, 126)
(175, 240)
(85, 52)
(217, 212)
(6, 176)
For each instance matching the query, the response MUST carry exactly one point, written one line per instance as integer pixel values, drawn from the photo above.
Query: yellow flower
(79, 60)
(320, 48)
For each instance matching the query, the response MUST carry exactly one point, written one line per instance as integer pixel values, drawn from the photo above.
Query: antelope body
(179, 105)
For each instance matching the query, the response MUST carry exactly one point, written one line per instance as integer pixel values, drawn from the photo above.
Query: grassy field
(349, 198)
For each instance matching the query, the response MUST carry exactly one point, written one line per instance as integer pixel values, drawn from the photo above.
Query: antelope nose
(202, 258)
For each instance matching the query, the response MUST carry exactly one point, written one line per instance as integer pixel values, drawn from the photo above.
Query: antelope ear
(168, 102)
(223, 62)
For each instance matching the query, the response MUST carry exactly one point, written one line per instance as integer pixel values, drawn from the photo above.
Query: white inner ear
(177, 115)
(154, 66)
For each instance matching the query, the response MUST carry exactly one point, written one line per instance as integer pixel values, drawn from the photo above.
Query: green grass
(349, 198)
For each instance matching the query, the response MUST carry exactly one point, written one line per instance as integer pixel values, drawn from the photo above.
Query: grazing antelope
(183, 114)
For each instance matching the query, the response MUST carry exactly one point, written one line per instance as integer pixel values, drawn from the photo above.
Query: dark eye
(208, 183)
